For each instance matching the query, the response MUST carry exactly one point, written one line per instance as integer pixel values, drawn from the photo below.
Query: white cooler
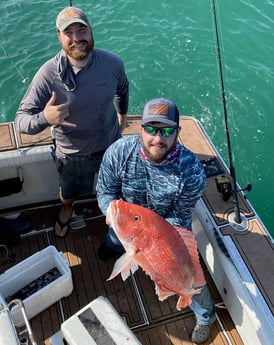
(30, 269)
(98, 323)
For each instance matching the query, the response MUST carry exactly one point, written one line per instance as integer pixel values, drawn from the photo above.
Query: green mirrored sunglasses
(164, 131)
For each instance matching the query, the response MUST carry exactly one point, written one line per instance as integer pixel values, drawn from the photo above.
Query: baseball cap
(160, 110)
(70, 15)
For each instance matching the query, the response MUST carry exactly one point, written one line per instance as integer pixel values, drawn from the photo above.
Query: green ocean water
(169, 50)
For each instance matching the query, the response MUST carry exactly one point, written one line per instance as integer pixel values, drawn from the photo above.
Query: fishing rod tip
(25, 80)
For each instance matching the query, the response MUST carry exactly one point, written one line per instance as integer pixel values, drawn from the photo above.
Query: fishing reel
(224, 186)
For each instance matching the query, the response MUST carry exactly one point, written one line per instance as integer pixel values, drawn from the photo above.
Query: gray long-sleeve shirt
(94, 96)
(170, 189)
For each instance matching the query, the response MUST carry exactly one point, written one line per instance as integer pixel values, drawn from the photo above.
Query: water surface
(169, 50)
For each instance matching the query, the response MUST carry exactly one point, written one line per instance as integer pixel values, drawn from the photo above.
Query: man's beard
(158, 157)
(79, 55)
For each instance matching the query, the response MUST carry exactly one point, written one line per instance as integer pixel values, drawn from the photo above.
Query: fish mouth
(112, 213)
(112, 218)
(109, 216)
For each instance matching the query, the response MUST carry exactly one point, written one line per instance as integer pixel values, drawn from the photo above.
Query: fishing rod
(234, 190)
(24, 79)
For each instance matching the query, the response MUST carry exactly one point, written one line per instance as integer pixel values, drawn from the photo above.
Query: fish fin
(162, 293)
(184, 301)
(191, 244)
(124, 265)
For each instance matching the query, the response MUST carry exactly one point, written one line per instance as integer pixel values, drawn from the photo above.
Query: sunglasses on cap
(164, 131)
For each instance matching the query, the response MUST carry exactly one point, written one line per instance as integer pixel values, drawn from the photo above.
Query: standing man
(83, 93)
(154, 170)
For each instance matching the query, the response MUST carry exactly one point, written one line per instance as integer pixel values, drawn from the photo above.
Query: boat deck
(152, 321)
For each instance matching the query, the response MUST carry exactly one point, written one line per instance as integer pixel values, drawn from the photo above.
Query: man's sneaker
(200, 333)
(105, 253)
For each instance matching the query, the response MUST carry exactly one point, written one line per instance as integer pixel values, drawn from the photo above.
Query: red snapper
(166, 253)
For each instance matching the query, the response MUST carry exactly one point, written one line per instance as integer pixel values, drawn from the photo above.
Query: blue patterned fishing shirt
(170, 189)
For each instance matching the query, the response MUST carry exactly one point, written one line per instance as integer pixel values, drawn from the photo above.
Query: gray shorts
(76, 174)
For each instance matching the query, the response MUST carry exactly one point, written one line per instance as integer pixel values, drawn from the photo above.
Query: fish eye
(137, 218)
